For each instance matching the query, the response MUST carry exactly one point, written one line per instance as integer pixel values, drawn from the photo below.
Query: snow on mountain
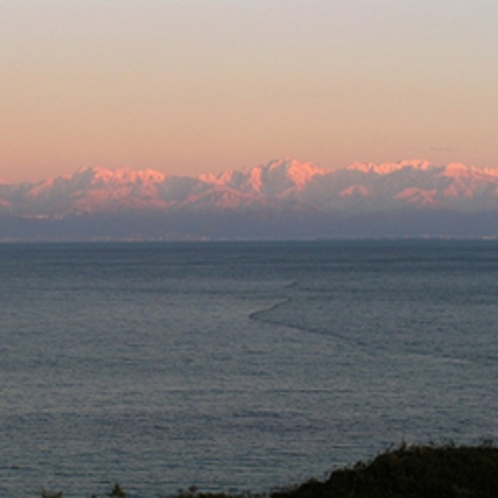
(282, 177)
(386, 168)
(278, 185)
(419, 197)
(355, 191)
(274, 180)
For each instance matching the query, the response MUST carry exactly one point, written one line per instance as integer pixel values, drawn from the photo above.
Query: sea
(238, 366)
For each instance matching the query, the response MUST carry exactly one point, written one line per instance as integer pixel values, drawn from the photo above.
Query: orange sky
(188, 87)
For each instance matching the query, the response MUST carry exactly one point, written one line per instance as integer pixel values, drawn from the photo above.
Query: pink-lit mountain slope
(283, 185)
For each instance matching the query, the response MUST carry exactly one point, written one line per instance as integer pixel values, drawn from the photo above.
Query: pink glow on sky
(188, 87)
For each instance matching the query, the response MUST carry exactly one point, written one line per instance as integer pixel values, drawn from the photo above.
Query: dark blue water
(237, 365)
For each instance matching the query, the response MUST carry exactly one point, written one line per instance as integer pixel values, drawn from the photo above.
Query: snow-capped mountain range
(284, 189)
(280, 184)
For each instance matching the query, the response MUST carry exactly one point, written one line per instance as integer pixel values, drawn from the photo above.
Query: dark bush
(412, 472)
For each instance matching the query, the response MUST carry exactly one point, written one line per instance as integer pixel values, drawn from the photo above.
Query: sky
(201, 86)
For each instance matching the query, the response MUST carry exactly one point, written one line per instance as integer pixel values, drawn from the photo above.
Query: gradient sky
(194, 86)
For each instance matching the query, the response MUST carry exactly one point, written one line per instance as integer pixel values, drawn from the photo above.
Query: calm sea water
(237, 365)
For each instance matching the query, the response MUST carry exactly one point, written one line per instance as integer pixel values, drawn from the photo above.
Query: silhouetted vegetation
(412, 472)
(47, 494)
(447, 471)
(117, 492)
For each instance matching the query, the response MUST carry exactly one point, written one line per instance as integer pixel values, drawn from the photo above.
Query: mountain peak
(271, 177)
(123, 175)
(455, 170)
(299, 172)
(280, 175)
(387, 168)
